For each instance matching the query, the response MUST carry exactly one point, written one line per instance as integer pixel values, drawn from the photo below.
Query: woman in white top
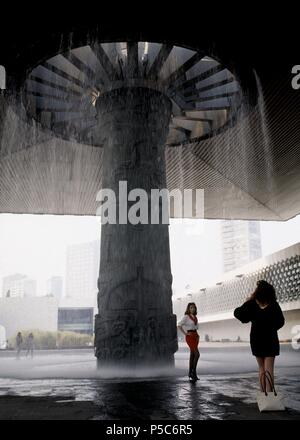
(189, 326)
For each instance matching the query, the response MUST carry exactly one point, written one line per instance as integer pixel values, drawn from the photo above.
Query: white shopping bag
(271, 400)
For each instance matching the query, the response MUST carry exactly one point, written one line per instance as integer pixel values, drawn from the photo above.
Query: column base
(130, 343)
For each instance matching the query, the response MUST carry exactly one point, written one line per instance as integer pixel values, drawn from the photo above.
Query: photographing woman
(266, 316)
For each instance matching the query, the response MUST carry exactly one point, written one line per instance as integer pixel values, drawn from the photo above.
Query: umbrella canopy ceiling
(250, 170)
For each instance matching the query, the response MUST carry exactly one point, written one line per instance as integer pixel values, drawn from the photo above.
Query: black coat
(265, 323)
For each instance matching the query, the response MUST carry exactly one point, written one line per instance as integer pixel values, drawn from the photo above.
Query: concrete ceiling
(251, 171)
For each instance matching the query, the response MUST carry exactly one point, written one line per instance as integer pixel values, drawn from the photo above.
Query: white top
(188, 323)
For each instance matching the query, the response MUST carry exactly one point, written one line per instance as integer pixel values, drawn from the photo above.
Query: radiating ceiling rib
(217, 84)
(199, 78)
(159, 60)
(89, 73)
(212, 97)
(181, 71)
(132, 59)
(55, 86)
(64, 75)
(106, 64)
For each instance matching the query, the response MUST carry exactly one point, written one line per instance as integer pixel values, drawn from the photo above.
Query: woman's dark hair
(187, 312)
(264, 292)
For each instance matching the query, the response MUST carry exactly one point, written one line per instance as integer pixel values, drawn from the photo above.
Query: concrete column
(135, 324)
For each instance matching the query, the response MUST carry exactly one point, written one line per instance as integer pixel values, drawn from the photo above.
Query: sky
(35, 245)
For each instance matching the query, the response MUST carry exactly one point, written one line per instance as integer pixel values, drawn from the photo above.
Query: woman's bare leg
(269, 366)
(261, 371)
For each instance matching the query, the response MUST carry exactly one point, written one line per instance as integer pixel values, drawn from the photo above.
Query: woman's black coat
(265, 323)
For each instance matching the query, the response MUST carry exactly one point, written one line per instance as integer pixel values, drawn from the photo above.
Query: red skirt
(192, 340)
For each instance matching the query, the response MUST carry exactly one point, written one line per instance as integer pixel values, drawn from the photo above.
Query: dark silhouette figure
(189, 326)
(266, 316)
(30, 345)
(19, 344)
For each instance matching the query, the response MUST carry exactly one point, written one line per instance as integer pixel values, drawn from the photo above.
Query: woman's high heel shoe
(194, 375)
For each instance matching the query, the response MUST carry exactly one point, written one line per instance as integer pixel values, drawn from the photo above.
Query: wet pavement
(222, 395)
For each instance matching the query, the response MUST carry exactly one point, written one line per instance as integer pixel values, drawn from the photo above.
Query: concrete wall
(17, 314)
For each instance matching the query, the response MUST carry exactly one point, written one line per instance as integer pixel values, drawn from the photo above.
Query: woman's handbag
(271, 400)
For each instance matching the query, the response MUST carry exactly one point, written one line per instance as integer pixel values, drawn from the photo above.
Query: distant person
(30, 345)
(19, 343)
(188, 325)
(266, 316)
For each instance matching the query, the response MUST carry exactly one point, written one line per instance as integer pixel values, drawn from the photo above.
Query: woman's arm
(244, 312)
(278, 317)
(181, 323)
(181, 329)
